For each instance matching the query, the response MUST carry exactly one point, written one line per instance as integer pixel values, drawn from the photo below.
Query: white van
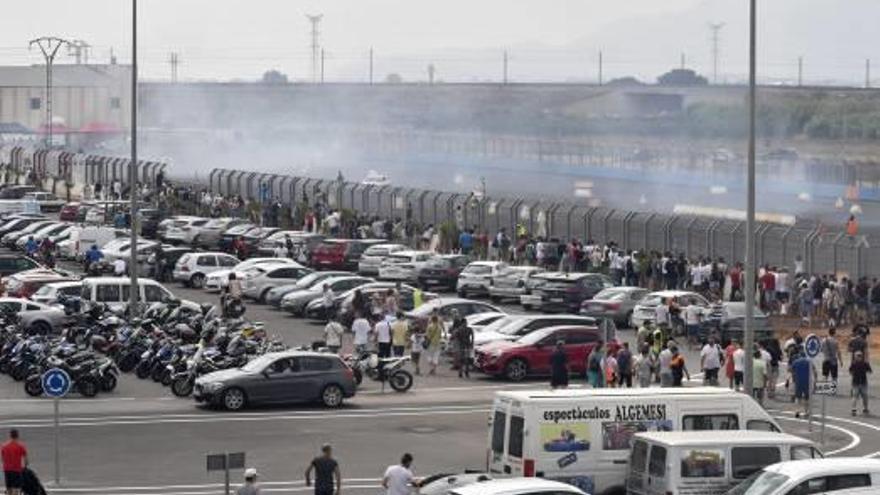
(92, 235)
(114, 291)
(584, 436)
(837, 476)
(686, 462)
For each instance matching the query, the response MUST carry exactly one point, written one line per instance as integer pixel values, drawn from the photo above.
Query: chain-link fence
(775, 244)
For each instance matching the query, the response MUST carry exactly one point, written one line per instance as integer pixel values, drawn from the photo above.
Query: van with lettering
(583, 436)
(705, 463)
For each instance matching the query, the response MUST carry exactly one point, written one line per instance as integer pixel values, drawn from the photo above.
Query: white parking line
(856, 439)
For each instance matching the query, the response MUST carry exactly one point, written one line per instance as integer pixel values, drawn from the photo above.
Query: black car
(726, 321)
(564, 292)
(14, 263)
(443, 271)
(171, 254)
(225, 243)
(150, 218)
(16, 192)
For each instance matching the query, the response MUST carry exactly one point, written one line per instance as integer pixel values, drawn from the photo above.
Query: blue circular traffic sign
(812, 345)
(56, 382)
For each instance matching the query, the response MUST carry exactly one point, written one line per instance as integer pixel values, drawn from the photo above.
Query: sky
(556, 40)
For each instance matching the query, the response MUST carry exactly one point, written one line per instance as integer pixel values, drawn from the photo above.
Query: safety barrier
(696, 236)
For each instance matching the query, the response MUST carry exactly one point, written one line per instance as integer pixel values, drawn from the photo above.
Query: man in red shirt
(14, 456)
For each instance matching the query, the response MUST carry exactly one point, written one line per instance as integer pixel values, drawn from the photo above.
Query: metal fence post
(568, 215)
(710, 239)
(648, 230)
(627, 219)
(733, 242)
(436, 198)
(667, 233)
(365, 198)
(422, 207)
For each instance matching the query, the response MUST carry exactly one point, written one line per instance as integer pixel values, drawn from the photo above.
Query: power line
(716, 39)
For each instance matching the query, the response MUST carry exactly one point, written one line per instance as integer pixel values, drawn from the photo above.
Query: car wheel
(41, 328)
(234, 399)
(516, 370)
(332, 396)
(628, 320)
(262, 298)
(197, 281)
(462, 294)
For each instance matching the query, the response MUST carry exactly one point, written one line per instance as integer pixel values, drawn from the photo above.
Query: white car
(373, 257)
(217, 280)
(47, 231)
(479, 321)
(183, 230)
(518, 486)
(192, 269)
(834, 476)
(404, 265)
(644, 309)
(48, 294)
(474, 279)
(257, 286)
(121, 248)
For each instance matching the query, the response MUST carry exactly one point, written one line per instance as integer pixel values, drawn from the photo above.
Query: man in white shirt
(329, 301)
(665, 362)
(333, 335)
(661, 314)
(119, 267)
(739, 366)
(383, 337)
(399, 479)
(693, 314)
(361, 330)
(710, 361)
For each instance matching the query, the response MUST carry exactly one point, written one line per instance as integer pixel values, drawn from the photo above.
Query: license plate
(433, 281)
(556, 299)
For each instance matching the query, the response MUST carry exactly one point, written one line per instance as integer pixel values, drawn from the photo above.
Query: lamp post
(49, 46)
(133, 167)
(749, 323)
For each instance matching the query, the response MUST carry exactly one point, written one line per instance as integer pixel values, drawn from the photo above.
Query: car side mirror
(265, 374)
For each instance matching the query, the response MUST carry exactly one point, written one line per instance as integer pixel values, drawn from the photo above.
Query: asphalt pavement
(141, 440)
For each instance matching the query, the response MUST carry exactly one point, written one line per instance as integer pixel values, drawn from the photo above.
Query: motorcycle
(382, 370)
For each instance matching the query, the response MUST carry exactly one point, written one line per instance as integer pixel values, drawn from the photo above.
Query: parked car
(37, 317)
(279, 377)
(443, 271)
(644, 309)
(513, 327)
(183, 230)
(10, 237)
(217, 280)
(46, 200)
(225, 242)
(17, 223)
(121, 248)
(530, 354)
(115, 291)
(518, 486)
(564, 292)
(192, 269)
(341, 254)
(479, 321)
(474, 279)
(172, 255)
(274, 296)
(208, 235)
(832, 476)
(49, 293)
(150, 219)
(254, 237)
(258, 287)
(14, 263)
(25, 284)
(445, 306)
(40, 234)
(511, 283)
(374, 255)
(726, 320)
(616, 303)
(68, 212)
(302, 242)
(404, 266)
(16, 192)
(296, 302)
(344, 302)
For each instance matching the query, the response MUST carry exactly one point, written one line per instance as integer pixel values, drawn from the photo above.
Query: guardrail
(777, 245)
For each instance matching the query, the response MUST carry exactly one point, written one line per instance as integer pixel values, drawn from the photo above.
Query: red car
(69, 212)
(530, 354)
(341, 254)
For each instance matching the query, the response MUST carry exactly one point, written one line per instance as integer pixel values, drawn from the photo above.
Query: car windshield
(760, 483)
(377, 251)
(239, 229)
(499, 324)
(533, 338)
(216, 223)
(611, 295)
(258, 364)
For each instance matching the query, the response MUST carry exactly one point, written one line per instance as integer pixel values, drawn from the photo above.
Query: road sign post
(225, 462)
(812, 347)
(56, 384)
(824, 388)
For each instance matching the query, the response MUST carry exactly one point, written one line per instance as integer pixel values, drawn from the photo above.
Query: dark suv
(443, 271)
(565, 292)
(14, 263)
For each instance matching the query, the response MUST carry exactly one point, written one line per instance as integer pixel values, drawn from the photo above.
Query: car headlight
(213, 387)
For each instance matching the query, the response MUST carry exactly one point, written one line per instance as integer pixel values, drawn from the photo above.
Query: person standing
(559, 366)
(329, 300)
(596, 365)
(399, 478)
(383, 337)
(678, 367)
(759, 376)
(463, 335)
(801, 370)
(14, 455)
(119, 267)
(644, 367)
(710, 362)
(664, 361)
(739, 366)
(399, 335)
(417, 345)
(328, 477)
(433, 338)
(859, 370)
(625, 366)
(361, 330)
(333, 335)
(831, 357)
(250, 486)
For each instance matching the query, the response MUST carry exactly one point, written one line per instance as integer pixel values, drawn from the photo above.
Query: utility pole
(431, 71)
(683, 60)
(716, 49)
(112, 57)
(800, 71)
(504, 75)
(79, 50)
(867, 73)
(322, 66)
(600, 68)
(133, 169)
(174, 60)
(315, 20)
(749, 323)
(49, 46)
(371, 66)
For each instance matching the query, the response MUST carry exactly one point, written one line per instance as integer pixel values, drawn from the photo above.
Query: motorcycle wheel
(401, 380)
(4, 367)
(19, 373)
(182, 386)
(358, 376)
(128, 363)
(156, 372)
(34, 386)
(108, 382)
(167, 378)
(143, 370)
(87, 386)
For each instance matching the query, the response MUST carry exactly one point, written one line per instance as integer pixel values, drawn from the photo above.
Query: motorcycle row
(171, 343)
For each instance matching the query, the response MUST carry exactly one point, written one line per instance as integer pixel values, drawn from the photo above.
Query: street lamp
(749, 323)
(49, 46)
(132, 170)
